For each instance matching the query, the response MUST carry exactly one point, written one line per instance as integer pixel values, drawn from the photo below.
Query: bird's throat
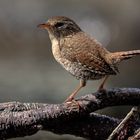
(55, 48)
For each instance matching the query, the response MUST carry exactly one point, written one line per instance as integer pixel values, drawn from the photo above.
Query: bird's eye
(59, 25)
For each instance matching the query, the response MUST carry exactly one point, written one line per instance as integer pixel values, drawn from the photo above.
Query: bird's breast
(57, 54)
(75, 68)
(55, 49)
(68, 65)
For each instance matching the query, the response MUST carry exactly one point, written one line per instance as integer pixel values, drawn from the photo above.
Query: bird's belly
(79, 71)
(76, 69)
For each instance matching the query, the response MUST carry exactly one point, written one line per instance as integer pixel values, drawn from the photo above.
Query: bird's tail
(120, 56)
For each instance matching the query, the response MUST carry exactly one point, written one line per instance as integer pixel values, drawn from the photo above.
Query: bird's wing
(87, 52)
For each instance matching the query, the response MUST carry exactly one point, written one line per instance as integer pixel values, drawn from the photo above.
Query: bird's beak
(44, 25)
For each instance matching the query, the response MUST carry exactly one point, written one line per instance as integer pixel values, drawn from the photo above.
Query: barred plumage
(84, 57)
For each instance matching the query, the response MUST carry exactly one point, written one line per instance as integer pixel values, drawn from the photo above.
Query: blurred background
(28, 71)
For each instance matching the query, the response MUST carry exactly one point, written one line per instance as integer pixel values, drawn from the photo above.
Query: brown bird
(84, 57)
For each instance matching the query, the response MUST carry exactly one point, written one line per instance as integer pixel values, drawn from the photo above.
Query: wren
(84, 57)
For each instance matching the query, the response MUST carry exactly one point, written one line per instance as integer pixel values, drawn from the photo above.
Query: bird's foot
(69, 99)
(102, 90)
(72, 104)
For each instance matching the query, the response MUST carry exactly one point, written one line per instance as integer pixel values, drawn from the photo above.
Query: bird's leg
(101, 87)
(71, 97)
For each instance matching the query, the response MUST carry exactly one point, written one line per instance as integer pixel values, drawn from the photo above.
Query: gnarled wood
(21, 119)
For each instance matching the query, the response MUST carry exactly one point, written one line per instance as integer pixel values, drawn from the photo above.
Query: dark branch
(93, 126)
(127, 125)
(136, 136)
(21, 119)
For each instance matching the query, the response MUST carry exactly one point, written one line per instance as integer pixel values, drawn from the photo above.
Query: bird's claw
(72, 104)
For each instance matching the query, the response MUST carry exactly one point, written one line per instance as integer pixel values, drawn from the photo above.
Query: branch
(21, 119)
(136, 136)
(93, 126)
(127, 125)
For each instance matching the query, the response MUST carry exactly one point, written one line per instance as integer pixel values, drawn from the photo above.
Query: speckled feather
(87, 54)
(82, 56)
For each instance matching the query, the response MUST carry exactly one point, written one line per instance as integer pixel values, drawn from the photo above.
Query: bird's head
(60, 26)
